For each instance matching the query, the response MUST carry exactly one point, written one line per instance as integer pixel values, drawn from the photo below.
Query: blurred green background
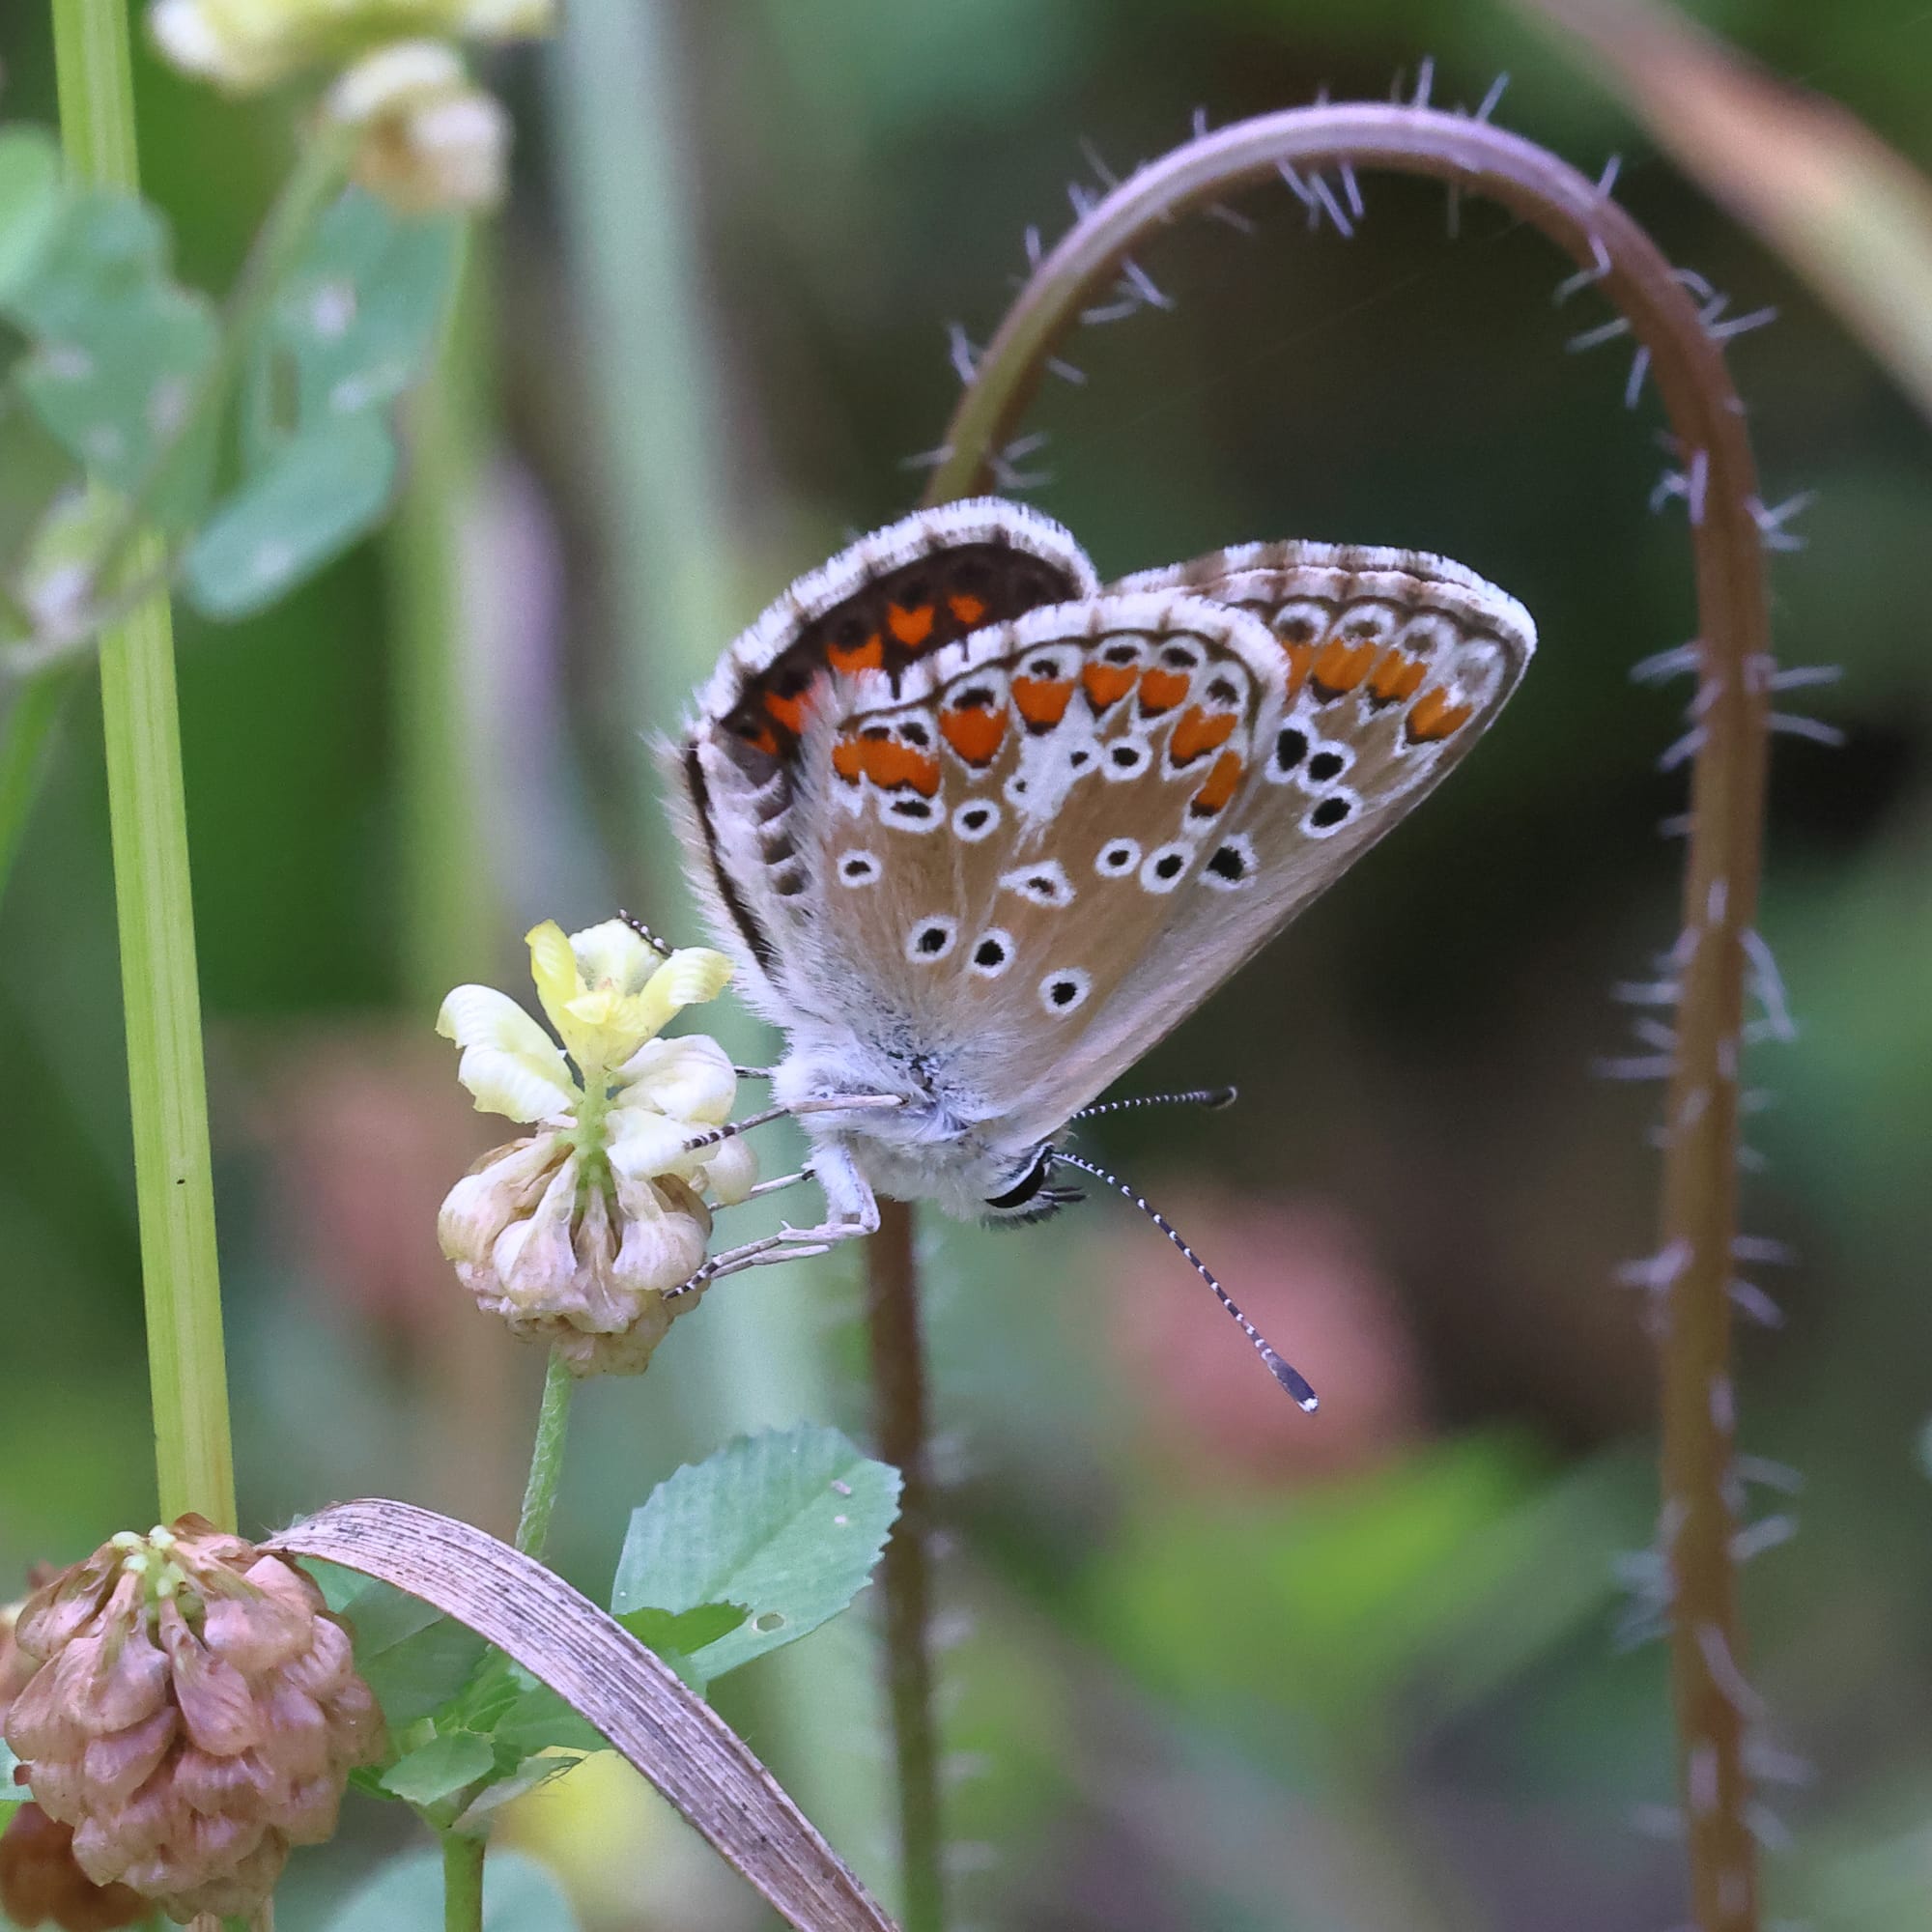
(1208, 1664)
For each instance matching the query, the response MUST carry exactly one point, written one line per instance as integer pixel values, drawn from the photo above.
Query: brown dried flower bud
(193, 1712)
(40, 1883)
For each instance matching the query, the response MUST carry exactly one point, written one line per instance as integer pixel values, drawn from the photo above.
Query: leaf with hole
(789, 1523)
(325, 489)
(356, 322)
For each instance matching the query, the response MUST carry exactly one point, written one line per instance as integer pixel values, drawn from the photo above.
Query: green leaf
(30, 199)
(414, 1658)
(327, 488)
(540, 1720)
(356, 322)
(519, 1895)
(788, 1523)
(441, 1768)
(118, 351)
(684, 1629)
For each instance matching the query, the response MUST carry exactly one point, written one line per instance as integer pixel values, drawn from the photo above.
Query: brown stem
(899, 1396)
(1699, 1185)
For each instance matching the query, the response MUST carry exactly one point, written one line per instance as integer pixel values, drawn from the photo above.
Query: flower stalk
(1699, 1212)
(167, 1089)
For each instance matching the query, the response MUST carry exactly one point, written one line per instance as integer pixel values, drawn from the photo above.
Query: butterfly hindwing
(997, 842)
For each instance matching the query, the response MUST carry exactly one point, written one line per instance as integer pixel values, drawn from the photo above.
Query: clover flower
(192, 1712)
(245, 46)
(575, 1234)
(426, 136)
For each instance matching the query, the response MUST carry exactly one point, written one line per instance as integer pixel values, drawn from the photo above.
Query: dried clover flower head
(429, 138)
(42, 1884)
(193, 1711)
(574, 1235)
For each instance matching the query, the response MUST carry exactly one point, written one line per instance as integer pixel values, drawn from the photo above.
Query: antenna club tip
(1224, 1097)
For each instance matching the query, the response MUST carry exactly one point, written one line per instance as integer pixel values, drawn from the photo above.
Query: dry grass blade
(668, 1732)
(1849, 213)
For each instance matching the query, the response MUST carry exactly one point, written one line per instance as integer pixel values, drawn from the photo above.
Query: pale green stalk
(167, 1086)
(545, 1456)
(461, 1883)
(449, 899)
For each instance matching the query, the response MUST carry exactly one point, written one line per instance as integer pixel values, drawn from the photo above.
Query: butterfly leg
(851, 1210)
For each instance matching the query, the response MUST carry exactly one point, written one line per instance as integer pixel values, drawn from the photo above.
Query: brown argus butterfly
(979, 830)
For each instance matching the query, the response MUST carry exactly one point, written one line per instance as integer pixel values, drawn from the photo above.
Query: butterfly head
(1030, 1196)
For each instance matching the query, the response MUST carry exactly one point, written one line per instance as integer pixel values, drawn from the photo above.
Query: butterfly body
(980, 831)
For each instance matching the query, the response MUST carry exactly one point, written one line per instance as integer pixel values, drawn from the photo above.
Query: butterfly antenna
(1290, 1378)
(1213, 1098)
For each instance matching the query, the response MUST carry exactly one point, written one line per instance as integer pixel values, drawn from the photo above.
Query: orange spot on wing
(1213, 796)
(1162, 690)
(890, 764)
(1340, 666)
(1198, 733)
(1107, 684)
(975, 736)
(1300, 660)
(762, 737)
(1042, 702)
(790, 712)
(967, 608)
(850, 658)
(1435, 718)
(1398, 676)
(848, 759)
(911, 627)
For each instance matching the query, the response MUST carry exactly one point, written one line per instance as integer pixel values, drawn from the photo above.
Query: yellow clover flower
(574, 1234)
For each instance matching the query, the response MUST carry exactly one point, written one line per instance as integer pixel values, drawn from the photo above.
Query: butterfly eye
(1031, 1179)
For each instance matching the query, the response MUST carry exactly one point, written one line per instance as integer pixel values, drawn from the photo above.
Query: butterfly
(979, 830)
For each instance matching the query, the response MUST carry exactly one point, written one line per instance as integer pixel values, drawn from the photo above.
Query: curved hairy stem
(1699, 1212)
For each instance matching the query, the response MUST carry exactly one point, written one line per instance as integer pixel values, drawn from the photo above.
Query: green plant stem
(461, 1883)
(449, 901)
(26, 742)
(545, 1456)
(905, 1578)
(1699, 1217)
(166, 1085)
